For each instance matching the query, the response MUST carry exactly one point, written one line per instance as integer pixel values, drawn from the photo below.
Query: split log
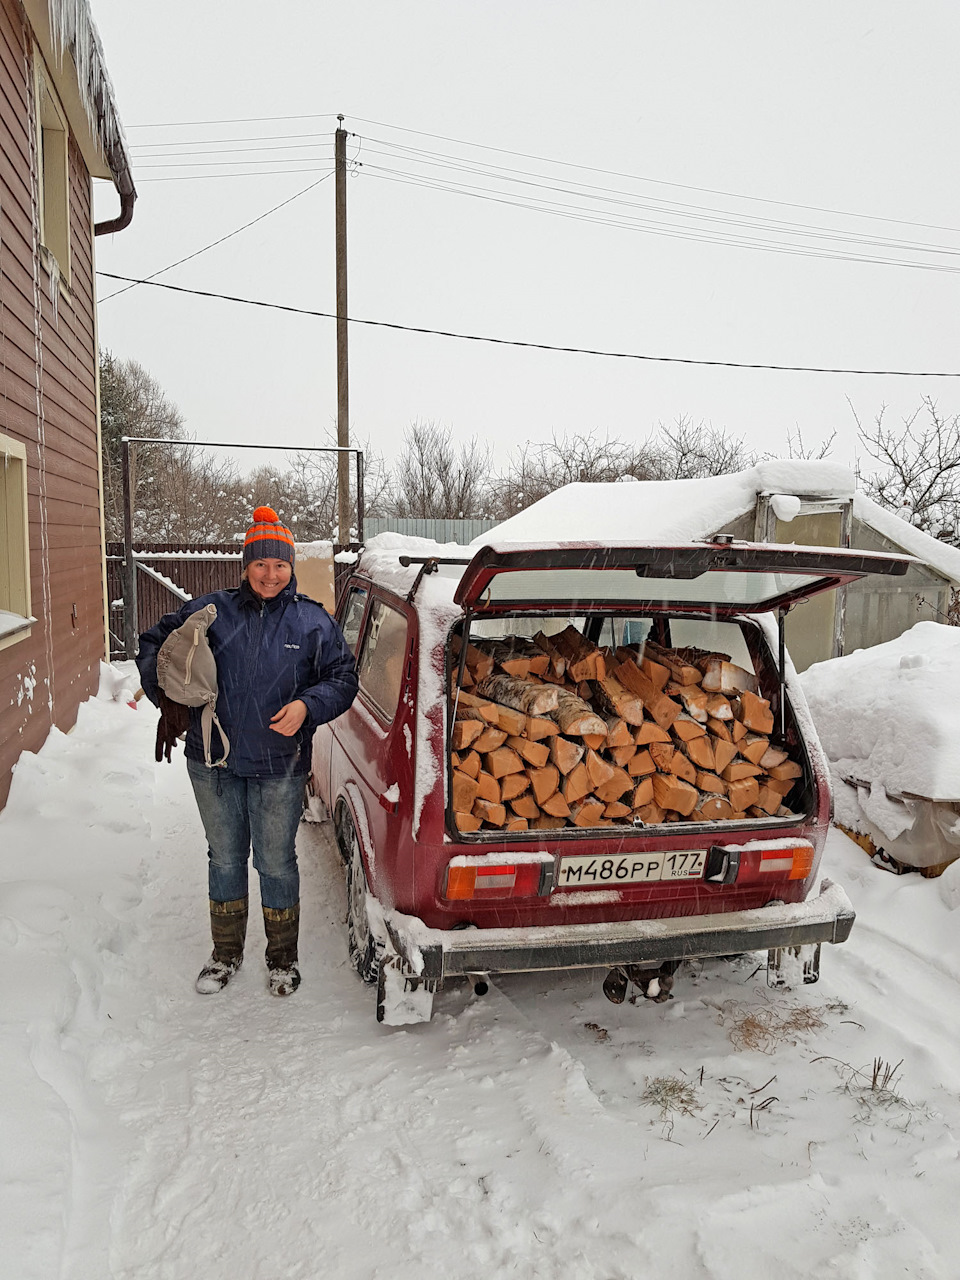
(469, 763)
(661, 753)
(556, 806)
(558, 663)
(535, 753)
(694, 699)
(783, 786)
(642, 793)
(619, 732)
(523, 695)
(525, 807)
(641, 765)
(465, 791)
(719, 729)
(738, 769)
(673, 793)
(617, 809)
(516, 824)
(619, 701)
(598, 770)
(489, 740)
(720, 676)
(545, 782)
(683, 768)
(466, 732)
(546, 822)
(755, 713)
(584, 659)
(754, 747)
(686, 728)
(540, 727)
(713, 809)
(479, 663)
(701, 753)
(573, 715)
(768, 800)
(621, 756)
(743, 793)
(682, 672)
(502, 761)
(789, 769)
(661, 708)
(718, 707)
(513, 785)
(486, 811)
(565, 754)
(466, 822)
(577, 784)
(649, 732)
(618, 785)
(710, 782)
(651, 815)
(488, 788)
(594, 740)
(587, 813)
(485, 710)
(772, 757)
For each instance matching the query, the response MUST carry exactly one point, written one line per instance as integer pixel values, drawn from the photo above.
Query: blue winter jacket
(268, 652)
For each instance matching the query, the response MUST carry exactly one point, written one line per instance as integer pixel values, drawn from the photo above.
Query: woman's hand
(289, 718)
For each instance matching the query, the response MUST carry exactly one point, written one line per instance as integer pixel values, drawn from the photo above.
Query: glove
(174, 722)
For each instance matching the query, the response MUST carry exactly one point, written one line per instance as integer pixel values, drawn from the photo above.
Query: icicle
(54, 283)
(73, 32)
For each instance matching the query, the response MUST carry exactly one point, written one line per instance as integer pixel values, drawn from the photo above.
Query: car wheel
(365, 950)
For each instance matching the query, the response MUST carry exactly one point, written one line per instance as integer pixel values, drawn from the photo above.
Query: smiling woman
(282, 669)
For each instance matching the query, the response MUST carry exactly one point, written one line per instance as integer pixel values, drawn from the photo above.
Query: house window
(52, 137)
(15, 616)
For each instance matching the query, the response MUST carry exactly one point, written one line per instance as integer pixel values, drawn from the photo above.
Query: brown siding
(61, 657)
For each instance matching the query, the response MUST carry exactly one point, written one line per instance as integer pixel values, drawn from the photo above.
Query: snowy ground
(536, 1132)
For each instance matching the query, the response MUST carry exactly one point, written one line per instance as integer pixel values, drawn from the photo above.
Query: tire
(364, 949)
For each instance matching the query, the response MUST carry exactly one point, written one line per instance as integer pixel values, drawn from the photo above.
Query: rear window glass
(384, 648)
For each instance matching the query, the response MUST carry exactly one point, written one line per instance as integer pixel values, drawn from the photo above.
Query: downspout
(128, 196)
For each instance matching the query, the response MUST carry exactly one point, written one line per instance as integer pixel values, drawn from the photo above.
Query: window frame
(388, 717)
(53, 173)
(15, 534)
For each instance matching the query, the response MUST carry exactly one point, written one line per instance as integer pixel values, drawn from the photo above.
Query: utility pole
(343, 380)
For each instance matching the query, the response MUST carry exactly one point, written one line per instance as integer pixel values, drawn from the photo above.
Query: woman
(283, 668)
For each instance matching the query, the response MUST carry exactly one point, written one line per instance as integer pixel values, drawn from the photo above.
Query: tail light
(479, 880)
(792, 863)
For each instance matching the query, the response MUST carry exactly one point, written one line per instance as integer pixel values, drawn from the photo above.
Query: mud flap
(793, 966)
(402, 998)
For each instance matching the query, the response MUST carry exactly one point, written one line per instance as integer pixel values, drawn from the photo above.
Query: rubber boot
(282, 927)
(228, 925)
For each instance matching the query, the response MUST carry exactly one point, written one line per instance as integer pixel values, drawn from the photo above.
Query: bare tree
(539, 469)
(919, 475)
(691, 451)
(437, 479)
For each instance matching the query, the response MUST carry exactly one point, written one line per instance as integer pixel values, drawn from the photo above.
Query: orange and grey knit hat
(267, 538)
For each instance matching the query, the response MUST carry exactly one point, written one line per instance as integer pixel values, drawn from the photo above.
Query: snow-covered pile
(887, 719)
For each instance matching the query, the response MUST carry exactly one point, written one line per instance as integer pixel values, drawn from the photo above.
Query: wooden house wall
(47, 402)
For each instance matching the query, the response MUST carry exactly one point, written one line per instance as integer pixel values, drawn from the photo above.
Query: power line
(214, 243)
(190, 124)
(537, 346)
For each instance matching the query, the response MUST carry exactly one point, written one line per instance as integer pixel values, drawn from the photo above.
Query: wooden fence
(190, 570)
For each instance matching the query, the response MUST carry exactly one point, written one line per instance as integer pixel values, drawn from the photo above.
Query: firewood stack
(556, 732)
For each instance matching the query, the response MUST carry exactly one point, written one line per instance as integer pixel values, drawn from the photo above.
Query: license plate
(634, 868)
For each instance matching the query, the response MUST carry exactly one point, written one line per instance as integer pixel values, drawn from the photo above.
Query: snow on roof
(938, 555)
(689, 510)
(887, 716)
(666, 510)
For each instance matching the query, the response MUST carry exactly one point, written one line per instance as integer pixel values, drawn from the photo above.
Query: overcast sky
(661, 136)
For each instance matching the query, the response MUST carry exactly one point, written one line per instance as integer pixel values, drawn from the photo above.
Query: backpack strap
(209, 718)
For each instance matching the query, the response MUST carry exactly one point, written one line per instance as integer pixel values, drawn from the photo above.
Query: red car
(628, 885)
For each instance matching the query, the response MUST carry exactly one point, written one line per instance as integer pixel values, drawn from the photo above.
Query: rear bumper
(434, 954)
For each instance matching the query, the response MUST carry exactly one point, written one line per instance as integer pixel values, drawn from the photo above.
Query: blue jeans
(239, 811)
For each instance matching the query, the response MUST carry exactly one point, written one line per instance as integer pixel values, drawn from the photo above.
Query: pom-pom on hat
(267, 538)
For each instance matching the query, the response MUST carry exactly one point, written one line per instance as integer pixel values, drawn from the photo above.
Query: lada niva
(575, 755)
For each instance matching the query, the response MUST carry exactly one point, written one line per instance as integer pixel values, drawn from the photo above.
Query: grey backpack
(187, 673)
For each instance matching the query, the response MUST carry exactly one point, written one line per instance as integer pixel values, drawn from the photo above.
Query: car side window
(382, 654)
(353, 616)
